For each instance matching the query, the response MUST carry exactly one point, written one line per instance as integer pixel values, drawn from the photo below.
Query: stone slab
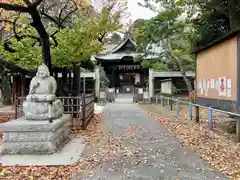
(69, 155)
(23, 125)
(35, 137)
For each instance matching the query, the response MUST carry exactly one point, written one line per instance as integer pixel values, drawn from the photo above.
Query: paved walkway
(162, 156)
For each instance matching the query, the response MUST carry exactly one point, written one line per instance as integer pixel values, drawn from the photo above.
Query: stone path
(159, 156)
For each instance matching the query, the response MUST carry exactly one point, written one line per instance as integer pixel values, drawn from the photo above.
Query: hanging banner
(128, 67)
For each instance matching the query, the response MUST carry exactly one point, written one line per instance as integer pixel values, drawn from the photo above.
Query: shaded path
(154, 154)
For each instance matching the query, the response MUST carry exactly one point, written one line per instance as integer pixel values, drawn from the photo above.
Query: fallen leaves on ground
(106, 147)
(217, 147)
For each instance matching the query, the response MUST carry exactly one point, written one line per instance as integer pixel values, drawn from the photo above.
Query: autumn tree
(175, 37)
(73, 35)
(95, 25)
(136, 26)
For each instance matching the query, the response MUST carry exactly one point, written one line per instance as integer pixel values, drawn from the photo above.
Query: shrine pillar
(113, 78)
(150, 84)
(97, 81)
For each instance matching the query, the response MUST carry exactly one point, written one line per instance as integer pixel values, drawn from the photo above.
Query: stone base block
(68, 155)
(22, 136)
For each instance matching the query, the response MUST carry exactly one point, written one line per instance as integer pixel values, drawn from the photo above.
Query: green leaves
(174, 36)
(180, 3)
(26, 56)
(73, 45)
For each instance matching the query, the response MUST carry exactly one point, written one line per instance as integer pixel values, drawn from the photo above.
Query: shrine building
(122, 70)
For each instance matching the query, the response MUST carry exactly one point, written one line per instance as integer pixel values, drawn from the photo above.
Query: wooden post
(190, 111)
(69, 82)
(238, 129)
(177, 107)
(171, 104)
(14, 89)
(64, 82)
(210, 117)
(83, 110)
(197, 114)
(162, 100)
(23, 86)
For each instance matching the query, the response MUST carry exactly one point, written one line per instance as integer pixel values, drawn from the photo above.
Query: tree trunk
(44, 38)
(76, 89)
(185, 78)
(76, 80)
(64, 82)
(178, 62)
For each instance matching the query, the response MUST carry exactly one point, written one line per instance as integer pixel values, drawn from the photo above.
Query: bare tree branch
(60, 20)
(15, 29)
(14, 7)
(47, 16)
(101, 36)
(62, 9)
(68, 15)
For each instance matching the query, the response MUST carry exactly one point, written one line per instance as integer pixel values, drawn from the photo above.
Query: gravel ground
(150, 153)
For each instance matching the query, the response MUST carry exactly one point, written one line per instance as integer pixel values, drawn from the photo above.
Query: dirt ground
(217, 147)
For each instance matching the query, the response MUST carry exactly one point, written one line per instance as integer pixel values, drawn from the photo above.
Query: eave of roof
(218, 41)
(128, 38)
(119, 56)
(173, 74)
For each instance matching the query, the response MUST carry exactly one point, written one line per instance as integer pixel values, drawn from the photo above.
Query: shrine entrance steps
(125, 98)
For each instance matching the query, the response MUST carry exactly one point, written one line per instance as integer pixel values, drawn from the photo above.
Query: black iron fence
(81, 108)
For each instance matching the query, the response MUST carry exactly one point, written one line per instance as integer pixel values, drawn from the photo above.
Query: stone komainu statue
(41, 102)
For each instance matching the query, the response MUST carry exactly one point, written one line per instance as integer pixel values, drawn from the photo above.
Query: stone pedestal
(22, 136)
(110, 96)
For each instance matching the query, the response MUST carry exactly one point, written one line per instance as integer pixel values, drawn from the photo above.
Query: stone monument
(44, 129)
(41, 103)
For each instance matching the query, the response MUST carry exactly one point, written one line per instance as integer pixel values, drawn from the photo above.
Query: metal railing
(81, 108)
(207, 111)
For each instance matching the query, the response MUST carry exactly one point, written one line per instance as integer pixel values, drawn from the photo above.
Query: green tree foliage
(166, 31)
(184, 25)
(215, 18)
(69, 45)
(175, 37)
(104, 81)
(229, 9)
(136, 26)
(211, 19)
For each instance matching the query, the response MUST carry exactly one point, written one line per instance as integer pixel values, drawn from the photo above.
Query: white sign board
(102, 94)
(145, 95)
(166, 87)
(110, 89)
